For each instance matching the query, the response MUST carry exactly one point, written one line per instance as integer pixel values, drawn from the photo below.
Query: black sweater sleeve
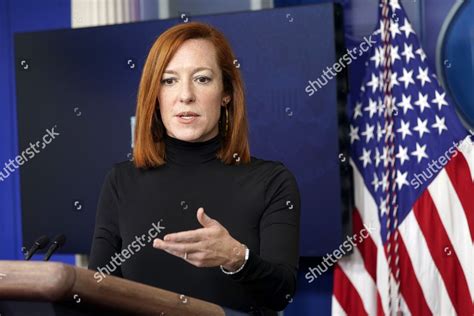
(106, 241)
(271, 276)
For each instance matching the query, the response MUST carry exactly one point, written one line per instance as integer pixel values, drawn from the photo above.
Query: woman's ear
(226, 99)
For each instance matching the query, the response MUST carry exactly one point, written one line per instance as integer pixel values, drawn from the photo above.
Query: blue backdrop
(19, 16)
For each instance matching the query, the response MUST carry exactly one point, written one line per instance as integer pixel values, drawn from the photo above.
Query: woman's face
(192, 82)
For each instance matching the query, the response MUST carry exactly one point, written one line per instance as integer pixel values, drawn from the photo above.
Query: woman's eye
(170, 81)
(203, 79)
(167, 81)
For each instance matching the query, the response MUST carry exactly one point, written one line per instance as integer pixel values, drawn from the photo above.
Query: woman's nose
(187, 93)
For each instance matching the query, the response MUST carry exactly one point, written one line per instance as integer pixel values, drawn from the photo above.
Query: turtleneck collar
(189, 153)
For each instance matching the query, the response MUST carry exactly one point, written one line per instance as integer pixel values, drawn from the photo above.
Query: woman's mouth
(187, 119)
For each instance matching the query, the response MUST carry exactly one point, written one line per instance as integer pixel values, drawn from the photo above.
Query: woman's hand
(209, 246)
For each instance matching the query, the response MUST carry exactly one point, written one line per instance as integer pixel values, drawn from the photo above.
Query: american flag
(413, 182)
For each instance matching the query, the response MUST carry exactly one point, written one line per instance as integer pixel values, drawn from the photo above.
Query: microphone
(40, 243)
(58, 242)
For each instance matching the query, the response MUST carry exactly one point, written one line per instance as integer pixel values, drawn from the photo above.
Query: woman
(228, 229)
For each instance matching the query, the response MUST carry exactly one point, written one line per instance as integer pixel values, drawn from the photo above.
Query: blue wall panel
(19, 16)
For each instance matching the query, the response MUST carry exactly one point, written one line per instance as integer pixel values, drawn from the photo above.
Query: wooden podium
(50, 288)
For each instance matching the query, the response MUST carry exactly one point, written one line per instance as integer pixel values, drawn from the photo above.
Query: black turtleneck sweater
(258, 203)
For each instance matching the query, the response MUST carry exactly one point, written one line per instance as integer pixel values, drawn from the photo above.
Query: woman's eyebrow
(170, 71)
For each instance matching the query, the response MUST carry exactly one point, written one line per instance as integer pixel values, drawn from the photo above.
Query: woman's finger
(177, 247)
(159, 244)
(187, 236)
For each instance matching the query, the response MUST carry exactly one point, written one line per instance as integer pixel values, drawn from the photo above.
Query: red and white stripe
(436, 251)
